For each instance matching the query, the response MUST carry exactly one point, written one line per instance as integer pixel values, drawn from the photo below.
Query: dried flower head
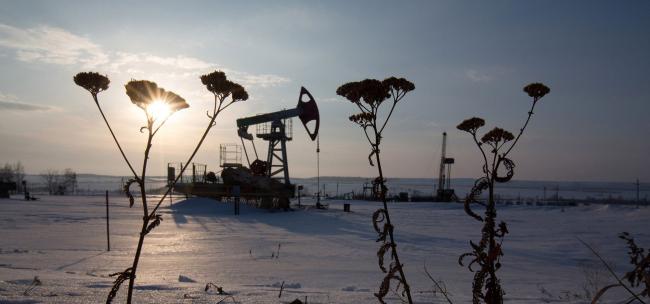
(362, 119)
(143, 93)
(371, 91)
(350, 91)
(536, 90)
(238, 92)
(471, 125)
(497, 135)
(398, 84)
(92, 81)
(217, 83)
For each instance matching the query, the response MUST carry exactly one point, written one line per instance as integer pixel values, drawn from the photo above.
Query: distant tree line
(13, 173)
(58, 183)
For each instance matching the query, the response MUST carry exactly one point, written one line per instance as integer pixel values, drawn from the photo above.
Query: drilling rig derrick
(445, 193)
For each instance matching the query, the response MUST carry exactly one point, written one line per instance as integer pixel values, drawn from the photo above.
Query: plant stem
(521, 131)
(443, 291)
(196, 149)
(145, 218)
(114, 138)
(611, 271)
(382, 193)
(478, 144)
(490, 215)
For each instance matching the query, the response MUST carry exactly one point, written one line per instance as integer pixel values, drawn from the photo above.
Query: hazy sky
(468, 58)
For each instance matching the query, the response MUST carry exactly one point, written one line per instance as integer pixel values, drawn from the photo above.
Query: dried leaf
(378, 217)
(380, 255)
(127, 190)
(155, 221)
(121, 277)
(510, 166)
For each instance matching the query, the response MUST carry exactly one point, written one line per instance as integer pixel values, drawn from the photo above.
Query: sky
(466, 58)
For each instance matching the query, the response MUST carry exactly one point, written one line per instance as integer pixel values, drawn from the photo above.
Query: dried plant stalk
(144, 94)
(486, 286)
(368, 95)
(639, 276)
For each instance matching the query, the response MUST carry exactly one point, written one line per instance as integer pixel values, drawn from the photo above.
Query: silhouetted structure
(266, 181)
(5, 188)
(445, 193)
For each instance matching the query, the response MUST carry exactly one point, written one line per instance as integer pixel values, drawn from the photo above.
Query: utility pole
(299, 189)
(236, 192)
(638, 202)
(318, 171)
(108, 230)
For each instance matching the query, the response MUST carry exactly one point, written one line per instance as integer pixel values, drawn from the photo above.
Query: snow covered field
(326, 256)
(90, 184)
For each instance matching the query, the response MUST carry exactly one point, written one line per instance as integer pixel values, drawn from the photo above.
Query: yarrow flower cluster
(471, 125)
(536, 90)
(143, 93)
(217, 83)
(91, 81)
(399, 84)
(373, 92)
(362, 119)
(497, 135)
(370, 91)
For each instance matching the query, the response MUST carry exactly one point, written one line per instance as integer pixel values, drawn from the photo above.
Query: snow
(328, 256)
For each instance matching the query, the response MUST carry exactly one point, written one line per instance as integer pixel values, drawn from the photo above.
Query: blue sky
(466, 58)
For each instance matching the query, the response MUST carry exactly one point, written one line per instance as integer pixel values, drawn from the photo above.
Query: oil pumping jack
(265, 181)
(275, 166)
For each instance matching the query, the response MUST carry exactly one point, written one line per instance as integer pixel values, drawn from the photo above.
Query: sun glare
(158, 110)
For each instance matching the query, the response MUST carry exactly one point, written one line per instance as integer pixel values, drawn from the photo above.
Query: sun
(158, 110)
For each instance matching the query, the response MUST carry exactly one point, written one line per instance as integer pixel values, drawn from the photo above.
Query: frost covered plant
(368, 95)
(639, 276)
(494, 146)
(158, 105)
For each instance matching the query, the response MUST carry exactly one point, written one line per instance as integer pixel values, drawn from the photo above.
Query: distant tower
(441, 172)
(445, 193)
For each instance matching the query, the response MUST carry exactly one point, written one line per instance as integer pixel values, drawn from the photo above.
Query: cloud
(331, 99)
(10, 102)
(45, 44)
(477, 76)
(185, 67)
(261, 80)
(51, 45)
(124, 59)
